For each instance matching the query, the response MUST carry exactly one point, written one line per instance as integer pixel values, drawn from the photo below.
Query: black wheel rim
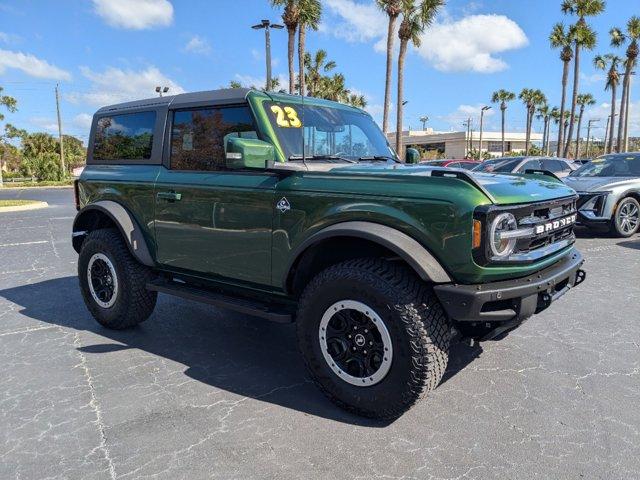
(103, 282)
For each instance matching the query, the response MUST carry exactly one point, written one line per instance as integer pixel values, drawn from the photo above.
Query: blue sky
(106, 51)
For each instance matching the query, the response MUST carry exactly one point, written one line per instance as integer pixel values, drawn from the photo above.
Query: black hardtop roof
(226, 95)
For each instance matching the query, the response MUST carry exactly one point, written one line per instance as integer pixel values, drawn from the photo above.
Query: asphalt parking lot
(200, 393)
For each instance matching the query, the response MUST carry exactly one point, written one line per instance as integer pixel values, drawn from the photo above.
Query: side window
(530, 165)
(553, 166)
(454, 165)
(198, 136)
(124, 137)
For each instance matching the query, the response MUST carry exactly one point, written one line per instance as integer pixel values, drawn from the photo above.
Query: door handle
(169, 196)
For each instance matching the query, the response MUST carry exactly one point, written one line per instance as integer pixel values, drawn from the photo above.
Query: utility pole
(64, 172)
(467, 139)
(591, 122)
(484, 109)
(267, 26)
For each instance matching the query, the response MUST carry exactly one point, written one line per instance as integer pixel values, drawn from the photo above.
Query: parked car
(297, 209)
(560, 167)
(609, 191)
(464, 164)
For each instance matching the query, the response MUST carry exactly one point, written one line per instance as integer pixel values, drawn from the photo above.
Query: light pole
(161, 90)
(606, 133)
(267, 26)
(484, 109)
(424, 119)
(591, 122)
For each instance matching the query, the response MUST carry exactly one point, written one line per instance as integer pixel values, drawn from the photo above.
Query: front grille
(540, 214)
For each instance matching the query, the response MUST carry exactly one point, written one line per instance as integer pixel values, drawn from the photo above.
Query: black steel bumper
(512, 301)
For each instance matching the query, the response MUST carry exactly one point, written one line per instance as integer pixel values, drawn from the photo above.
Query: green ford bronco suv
(296, 209)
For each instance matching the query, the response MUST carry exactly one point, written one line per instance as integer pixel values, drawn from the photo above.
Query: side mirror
(412, 156)
(248, 153)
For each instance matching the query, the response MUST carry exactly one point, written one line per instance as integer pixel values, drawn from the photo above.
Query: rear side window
(124, 137)
(530, 165)
(555, 166)
(198, 136)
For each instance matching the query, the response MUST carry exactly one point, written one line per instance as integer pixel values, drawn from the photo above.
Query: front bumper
(512, 301)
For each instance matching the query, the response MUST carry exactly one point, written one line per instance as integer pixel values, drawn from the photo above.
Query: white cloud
(470, 44)
(9, 38)
(135, 14)
(250, 81)
(197, 44)
(31, 65)
(464, 112)
(43, 123)
(362, 21)
(115, 85)
(602, 112)
(83, 121)
(593, 78)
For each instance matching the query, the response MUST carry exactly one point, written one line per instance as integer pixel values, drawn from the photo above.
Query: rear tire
(113, 282)
(626, 218)
(372, 296)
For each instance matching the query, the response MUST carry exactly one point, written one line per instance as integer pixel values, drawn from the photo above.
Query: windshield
(327, 133)
(503, 166)
(626, 165)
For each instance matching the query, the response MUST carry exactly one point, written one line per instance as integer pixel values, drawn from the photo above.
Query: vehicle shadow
(233, 352)
(584, 232)
(634, 244)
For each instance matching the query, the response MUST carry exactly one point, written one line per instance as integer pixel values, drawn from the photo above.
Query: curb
(2, 189)
(20, 208)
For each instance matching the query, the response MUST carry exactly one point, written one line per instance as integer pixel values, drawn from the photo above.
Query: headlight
(502, 244)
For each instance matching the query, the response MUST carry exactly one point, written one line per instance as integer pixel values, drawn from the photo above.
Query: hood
(502, 189)
(595, 184)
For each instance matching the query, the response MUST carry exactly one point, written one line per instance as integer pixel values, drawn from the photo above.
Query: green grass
(16, 203)
(61, 183)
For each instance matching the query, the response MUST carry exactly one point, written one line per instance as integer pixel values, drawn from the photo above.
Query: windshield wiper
(377, 158)
(321, 157)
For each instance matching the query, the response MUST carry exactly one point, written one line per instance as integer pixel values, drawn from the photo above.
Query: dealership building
(458, 144)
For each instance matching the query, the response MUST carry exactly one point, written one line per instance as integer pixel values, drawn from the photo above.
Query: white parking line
(23, 243)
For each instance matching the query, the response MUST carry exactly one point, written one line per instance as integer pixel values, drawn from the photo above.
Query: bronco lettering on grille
(555, 224)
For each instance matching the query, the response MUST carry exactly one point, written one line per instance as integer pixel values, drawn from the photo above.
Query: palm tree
(610, 61)
(531, 99)
(584, 38)
(356, 100)
(416, 16)
(562, 38)
(315, 67)
(618, 38)
(503, 97)
(584, 100)
(543, 113)
(291, 18)
(310, 13)
(392, 8)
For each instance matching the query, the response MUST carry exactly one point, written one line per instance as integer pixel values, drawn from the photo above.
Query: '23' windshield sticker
(286, 117)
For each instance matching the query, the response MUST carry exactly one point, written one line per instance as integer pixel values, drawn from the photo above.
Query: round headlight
(501, 245)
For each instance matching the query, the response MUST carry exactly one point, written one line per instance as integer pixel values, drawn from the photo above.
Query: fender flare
(129, 228)
(419, 258)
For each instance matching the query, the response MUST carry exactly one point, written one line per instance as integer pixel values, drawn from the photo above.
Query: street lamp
(266, 25)
(591, 122)
(482, 110)
(161, 90)
(424, 119)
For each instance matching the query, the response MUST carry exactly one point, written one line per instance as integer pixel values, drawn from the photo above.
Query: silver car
(609, 190)
(560, 167)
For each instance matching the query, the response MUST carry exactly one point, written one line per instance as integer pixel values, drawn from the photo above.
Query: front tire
(373, 336)
(626, 218)
(113, 283)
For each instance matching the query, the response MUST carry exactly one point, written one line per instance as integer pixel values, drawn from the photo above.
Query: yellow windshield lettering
(286, 117)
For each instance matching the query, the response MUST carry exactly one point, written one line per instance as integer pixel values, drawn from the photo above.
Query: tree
(316, 66)
(543, 113)
(235, 84)
(610, 62)
(584, 100)
(291, 19)
(310, 14)
(562, 38)
(584, 38)
(503, 97)
(10, 104)
(531, 99)
(619, 38)
(392, 8)
(416, 16)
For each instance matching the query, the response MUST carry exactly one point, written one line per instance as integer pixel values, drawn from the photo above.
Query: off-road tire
(133, 303)
(419, 329)
(616, 227)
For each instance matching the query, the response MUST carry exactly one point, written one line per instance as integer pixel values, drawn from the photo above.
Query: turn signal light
(477, 233)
